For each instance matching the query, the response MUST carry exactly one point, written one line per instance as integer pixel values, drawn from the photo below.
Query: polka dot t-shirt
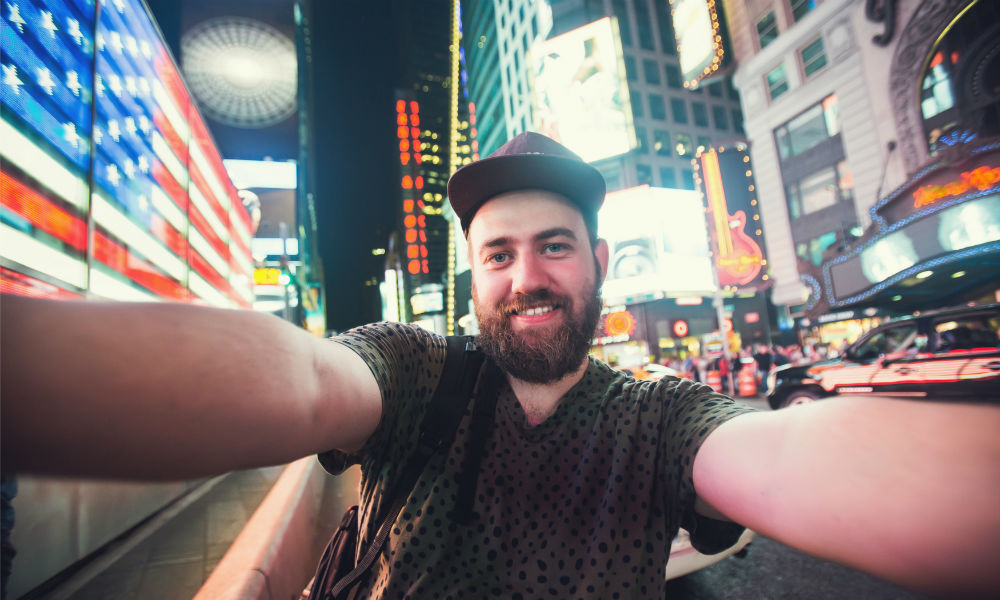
(583, 505)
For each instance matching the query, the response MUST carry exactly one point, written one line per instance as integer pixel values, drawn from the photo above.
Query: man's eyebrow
(541, 235)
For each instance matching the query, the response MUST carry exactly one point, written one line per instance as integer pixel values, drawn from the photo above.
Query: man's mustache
(523, 302)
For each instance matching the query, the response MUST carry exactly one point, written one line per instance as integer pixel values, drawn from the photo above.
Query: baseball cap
(529, 161)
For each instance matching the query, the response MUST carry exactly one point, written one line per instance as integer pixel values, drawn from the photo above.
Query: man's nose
(529, 275)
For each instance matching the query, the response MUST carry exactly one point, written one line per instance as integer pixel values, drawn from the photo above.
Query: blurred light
(378, 251)
(924, 274)
(897, 298)
(279, 175)
(284, 279)
(957, 274)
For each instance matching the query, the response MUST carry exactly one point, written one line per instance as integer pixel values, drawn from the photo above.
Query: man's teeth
(538, 310)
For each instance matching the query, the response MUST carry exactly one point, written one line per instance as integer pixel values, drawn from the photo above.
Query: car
(947, 353)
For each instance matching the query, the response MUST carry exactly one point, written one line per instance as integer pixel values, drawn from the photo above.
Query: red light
(401, 119)
(424, 266)
(417, 157)
(681, 328)
(410, 221)
(414, 107)
(411, 251)
(414, 132)
(408, 205)
(400, 106)
(414, 267)
(420, 204)
(422, 220)
(474, 132)
(415, 120)
(423, 251)
(407, 182)
(475, 156)
(472, 108)
(401, 132)
(423, 236)
(404, 145)
(404, 158)
(419, 182)
(411, 236)
(475, 146)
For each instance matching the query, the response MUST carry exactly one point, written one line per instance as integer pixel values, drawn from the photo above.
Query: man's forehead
(525, 210)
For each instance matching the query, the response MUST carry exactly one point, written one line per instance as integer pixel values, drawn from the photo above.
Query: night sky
(354, 139)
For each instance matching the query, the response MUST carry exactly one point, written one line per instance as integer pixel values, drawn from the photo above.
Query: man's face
(535, 280)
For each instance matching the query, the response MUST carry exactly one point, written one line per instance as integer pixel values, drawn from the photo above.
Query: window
(777, 81)
(801, 8)
(687, 179)
(818, 123)
(704, 142)
(719, 117)
(935, 94)
(666, 27)
(652, 71)
(636, 105)
(668, 177)
(767, 29)
(644, 174)
(679, 109)
(674, 77)
(630, 68)
(894, 339)
(812, 250)
(640, 134)
(683, 145)
(700, 112)
(715, 89)
(623, 26)
(661, 143)
(738, 121)
(641, 8)
(813, 57)
(819, 190)
(657, 108)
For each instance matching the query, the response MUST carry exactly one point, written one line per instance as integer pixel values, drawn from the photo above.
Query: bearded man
(586, 474)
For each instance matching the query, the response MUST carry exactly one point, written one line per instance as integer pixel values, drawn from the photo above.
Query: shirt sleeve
(694, 411)
(407, 362)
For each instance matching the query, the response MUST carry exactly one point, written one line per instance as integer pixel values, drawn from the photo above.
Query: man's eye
(555, 248)
(498, 258)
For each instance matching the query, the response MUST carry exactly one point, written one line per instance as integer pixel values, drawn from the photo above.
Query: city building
(867, 122)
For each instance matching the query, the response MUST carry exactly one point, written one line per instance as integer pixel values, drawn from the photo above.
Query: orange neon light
(982, 178)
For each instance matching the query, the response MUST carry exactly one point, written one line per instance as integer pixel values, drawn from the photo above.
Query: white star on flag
(132, 46)
(143, 163)
(10, 78)
(120, 5)
(144, 124)
(15, 17)
(48, 23)
(44, 80)
(113, 175)
(114, 130)
(115, 84)
(146, 49)
(129, 167)
(99, 85)
(130, 125)
(100, 42)
(74, 31)
(69, 133)
(143, 203)
(144, 86)
(98, 136)
(130, 86)
(116, 42)
(73, 82)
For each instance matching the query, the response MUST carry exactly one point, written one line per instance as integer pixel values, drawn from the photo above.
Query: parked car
(944, 353)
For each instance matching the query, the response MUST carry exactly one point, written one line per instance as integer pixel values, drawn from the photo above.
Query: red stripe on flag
(19, 284)
(201, 136)
(204, 269)
(42, 212)
(199, 223)
(199, 180)
(166, 233)
(170, 186)
(171, 136)
(164, 67)
(136, 269)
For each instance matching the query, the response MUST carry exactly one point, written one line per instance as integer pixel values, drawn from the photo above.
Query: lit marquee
(699, 39)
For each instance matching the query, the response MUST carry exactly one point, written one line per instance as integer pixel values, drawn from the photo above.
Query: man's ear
(601, 253)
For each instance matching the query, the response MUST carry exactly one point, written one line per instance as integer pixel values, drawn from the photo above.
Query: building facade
(850, 107)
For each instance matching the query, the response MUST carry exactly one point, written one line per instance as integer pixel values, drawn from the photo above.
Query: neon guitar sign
(738, 258)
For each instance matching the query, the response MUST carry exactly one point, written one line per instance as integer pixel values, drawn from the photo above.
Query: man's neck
(540, 400)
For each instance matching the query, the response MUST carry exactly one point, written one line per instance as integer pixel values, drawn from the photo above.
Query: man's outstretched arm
(162, 391)
(904, 490)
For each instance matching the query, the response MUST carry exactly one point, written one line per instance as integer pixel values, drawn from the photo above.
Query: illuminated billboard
(111, 184)
(658, 244)
(581, 93)
(698, 33)
(725, 180)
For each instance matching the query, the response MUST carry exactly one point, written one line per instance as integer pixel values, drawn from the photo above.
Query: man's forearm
(158, 390)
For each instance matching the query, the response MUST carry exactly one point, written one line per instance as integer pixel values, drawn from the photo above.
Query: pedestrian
(586, 474)
(763, 359)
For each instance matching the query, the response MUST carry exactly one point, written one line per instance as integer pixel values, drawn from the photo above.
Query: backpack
(337, 574)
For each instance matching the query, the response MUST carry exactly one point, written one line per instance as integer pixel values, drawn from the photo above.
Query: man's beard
(544, 356)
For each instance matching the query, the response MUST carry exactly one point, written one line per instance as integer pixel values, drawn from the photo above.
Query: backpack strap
(461, 370)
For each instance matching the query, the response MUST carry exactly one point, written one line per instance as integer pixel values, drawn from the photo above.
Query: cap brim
(474, 184)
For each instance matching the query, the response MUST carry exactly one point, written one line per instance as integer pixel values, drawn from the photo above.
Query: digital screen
(658, 243)
(958, 227)
(699, 42)
(581, 93)
(166, 221)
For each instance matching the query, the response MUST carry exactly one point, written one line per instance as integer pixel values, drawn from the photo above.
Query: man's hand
(164, 391)
(905, 490)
